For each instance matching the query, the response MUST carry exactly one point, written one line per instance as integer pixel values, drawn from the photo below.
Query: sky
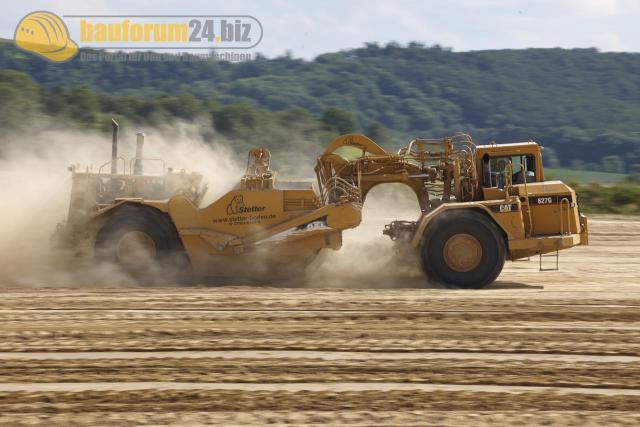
(307, 28)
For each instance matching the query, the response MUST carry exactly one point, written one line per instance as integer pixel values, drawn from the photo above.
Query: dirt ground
(536, 348)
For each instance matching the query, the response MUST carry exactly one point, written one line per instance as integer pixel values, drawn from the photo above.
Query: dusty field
(543, 348)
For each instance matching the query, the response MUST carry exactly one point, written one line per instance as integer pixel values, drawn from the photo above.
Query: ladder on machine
(556, 255)
(564, 202)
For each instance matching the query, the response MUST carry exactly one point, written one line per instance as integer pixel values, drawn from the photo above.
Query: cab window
(523, 168)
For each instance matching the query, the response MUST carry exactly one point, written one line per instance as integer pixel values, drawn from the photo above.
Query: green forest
(582, 105)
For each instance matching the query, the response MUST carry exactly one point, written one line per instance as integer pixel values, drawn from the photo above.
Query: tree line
(581, 104)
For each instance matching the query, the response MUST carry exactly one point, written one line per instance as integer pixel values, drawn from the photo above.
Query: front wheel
(463, 249)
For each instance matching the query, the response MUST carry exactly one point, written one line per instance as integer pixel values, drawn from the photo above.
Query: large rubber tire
(164, 262)
(463, 249)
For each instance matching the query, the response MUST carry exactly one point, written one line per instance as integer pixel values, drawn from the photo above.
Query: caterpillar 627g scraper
(479, 206)
(154, 227)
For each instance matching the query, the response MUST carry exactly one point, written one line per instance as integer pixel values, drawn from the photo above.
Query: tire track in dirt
(553, 348)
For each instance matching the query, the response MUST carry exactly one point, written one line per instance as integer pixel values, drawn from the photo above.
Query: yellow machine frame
(472, 217)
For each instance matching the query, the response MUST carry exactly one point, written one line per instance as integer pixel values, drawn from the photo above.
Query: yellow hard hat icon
(46, 34)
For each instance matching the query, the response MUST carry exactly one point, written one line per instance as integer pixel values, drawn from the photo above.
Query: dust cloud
(35, 187)
(369, 259)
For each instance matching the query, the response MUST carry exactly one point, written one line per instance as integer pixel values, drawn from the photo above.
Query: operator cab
(519, 161)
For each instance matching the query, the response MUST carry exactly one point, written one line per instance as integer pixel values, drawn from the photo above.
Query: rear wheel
(463, 249)
(144, 243)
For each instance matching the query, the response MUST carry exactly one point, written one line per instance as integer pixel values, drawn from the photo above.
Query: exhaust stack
(137, 166)
(114, 147)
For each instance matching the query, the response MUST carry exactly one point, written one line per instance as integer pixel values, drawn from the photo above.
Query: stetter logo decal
(236, 206)
(238, 213)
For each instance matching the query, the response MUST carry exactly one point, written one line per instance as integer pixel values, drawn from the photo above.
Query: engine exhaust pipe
(114, 147)
(137, 166)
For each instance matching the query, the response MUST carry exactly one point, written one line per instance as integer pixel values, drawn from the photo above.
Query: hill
(583, 105)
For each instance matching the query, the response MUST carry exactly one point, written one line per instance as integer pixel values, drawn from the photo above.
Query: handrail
(124, 165)
(562, 203)
(526, 191)
(335, 185)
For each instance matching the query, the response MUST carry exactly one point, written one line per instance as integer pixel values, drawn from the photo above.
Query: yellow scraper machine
(480, 205)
